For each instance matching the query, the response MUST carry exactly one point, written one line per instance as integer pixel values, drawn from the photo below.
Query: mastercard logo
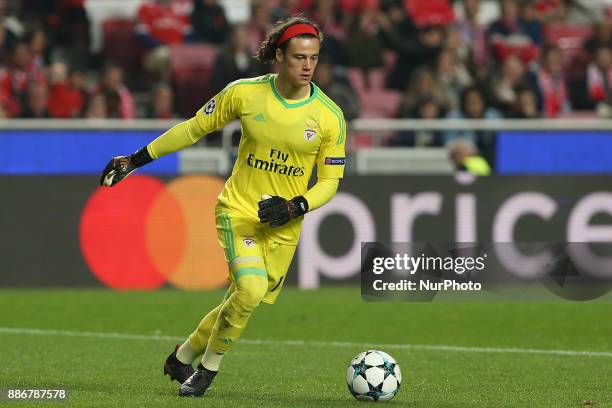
(143, 233)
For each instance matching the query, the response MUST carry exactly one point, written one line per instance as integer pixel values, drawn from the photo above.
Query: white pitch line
(312, 343)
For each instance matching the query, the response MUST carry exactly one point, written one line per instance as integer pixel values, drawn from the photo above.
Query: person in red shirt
(64, 100)
(14, 81)
(161, 24)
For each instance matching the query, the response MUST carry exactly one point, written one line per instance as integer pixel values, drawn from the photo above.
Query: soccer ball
(373, 376)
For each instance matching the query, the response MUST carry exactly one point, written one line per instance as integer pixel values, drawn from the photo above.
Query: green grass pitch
(295, 353)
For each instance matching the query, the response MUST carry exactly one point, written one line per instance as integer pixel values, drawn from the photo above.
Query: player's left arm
(330, 162)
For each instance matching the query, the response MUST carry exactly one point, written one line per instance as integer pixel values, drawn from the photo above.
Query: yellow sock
(185, 353)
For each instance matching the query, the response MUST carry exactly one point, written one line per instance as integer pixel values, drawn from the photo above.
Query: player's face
(297, 64)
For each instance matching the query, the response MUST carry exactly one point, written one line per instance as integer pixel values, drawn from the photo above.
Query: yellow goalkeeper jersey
(282, 141)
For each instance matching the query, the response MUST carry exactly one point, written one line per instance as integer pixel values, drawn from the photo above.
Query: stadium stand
(420, 58)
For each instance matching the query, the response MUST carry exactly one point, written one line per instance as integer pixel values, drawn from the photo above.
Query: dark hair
(524, 87)
(267, 49)
(550, 49)
(473, 89)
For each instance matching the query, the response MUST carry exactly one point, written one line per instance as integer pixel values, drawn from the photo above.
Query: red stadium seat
(430, 12)
(191, 67)
(379, 103)
(362, 82)
(357, 79)
(567, 35)
(120, 45)
(390, 59)
(377, 78)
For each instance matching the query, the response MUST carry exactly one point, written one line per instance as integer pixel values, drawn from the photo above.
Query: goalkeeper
(288, 127)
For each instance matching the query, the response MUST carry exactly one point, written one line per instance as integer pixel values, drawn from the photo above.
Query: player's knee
(250, 290)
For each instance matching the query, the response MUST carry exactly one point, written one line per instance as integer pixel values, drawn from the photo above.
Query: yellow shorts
(251, 250)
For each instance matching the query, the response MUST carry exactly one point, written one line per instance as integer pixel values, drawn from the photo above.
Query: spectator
(259, 24)
(64, 100)
(396, 25)
(465, 158)
(553, 97)
(14, 81)
(285, 9)
(209, 22)
(327, 14)
(422, 50)
(39, 48)
(512, 74)
(67, 25)
(9, 104)
(37, 103)
(235, 60)
(162, 103)
(363, 45)
(422, 85)
(474, 34)
(426, 107)
(118, 99)
(602, 36)
(97, 109)
(474, 105)
(599, 76)
(162, 23)
(13, 27)
(530, 23)
(451, 77)
(7, 42)
(511, 35)
(461, 50)
(78, 82)
(338, 88)
(526, 104)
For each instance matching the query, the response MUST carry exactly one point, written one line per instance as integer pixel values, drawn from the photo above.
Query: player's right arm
(218, 112)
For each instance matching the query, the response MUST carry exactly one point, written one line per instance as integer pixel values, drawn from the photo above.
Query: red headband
(294, 31)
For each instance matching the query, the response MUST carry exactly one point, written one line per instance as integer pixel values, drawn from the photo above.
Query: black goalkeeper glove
(277, 211)
(120, 167)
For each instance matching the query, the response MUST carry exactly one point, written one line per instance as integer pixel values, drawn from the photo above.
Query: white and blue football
(373, 376)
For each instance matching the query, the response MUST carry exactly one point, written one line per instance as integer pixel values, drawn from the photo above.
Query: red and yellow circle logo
(143, 233)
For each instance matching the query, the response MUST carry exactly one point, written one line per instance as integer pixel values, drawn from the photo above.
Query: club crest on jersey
(309, 134)
(209, 108)
(249, 242)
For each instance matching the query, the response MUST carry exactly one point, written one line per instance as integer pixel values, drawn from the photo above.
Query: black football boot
(175, 369)
(198, 383)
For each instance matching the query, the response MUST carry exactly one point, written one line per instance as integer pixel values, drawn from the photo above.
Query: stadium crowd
(380, 58)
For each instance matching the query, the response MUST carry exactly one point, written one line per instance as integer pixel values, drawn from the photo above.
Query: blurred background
(468, 120)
